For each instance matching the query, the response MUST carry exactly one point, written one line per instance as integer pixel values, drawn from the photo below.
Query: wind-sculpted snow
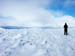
(36, 42)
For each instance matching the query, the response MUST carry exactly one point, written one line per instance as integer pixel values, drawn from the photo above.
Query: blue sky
(67, 6)
(37, 12)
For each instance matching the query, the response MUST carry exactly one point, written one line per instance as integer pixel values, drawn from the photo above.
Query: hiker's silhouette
(65, 29)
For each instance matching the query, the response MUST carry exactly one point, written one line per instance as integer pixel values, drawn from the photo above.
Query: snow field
(37, 42)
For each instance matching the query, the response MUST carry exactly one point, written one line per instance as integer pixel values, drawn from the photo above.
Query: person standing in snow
(65, 29)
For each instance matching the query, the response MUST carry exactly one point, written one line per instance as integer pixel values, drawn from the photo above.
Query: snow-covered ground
(37, 42)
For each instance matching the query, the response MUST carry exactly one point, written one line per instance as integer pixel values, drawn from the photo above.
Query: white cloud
(68, 19)
(33, 13)
(26, 13)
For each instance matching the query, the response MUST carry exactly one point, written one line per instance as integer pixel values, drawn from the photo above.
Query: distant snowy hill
(12, 27)
(37, 42)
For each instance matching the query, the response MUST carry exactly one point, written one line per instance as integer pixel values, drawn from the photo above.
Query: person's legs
(66, 33)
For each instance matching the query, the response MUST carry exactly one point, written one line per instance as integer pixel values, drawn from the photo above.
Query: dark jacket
(65, 27)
